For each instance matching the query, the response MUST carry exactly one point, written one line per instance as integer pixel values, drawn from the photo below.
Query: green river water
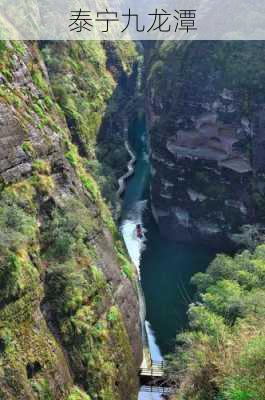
(165, 267)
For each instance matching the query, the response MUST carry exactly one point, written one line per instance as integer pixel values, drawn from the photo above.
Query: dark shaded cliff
(205, 104)
(69, 317)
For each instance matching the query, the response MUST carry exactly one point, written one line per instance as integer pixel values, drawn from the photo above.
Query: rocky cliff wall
(95, 85)
(69, 318)
(205, 104)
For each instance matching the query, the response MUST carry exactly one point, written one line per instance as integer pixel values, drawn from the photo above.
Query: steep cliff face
(205, 105)
(95, 85)
(68, 304)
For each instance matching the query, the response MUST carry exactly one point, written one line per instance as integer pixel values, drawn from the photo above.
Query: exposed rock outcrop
(206, 118)
(69, 311)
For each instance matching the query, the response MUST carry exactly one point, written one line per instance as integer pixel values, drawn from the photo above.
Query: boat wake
(134, 244)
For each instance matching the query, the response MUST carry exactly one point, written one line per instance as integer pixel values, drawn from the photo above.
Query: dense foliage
(222, 357)
(65, 278)
(96, 102)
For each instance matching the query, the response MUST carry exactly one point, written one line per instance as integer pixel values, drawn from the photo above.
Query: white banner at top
(132, 19)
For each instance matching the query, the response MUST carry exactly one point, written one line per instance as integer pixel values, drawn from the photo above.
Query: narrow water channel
(165, 267)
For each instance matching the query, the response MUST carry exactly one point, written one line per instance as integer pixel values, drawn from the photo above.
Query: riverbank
(130, 170)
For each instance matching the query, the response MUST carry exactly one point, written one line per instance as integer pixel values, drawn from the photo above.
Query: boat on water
(139, 232)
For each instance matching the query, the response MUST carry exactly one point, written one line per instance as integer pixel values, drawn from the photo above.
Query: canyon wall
(96, 86)
(69, 315)
(206, 117)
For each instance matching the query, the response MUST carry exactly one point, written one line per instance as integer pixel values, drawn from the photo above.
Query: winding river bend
(165, 267)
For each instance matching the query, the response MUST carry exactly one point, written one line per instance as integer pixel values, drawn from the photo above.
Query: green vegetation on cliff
(90, 81)
(222, 356)
(205, 108)
(67, 298)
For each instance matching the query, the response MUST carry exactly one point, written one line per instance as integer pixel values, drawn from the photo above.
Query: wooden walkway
(157, 389)
(154, 370)
(166, 391)
(153, 379)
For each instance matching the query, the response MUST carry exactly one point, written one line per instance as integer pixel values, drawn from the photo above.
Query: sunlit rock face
(206, 119)
(69, 312)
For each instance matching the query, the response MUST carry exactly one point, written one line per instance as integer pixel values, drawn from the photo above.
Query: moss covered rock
(69, 318)
(205, 106)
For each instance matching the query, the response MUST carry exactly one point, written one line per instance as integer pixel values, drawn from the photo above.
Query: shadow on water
(166, 270)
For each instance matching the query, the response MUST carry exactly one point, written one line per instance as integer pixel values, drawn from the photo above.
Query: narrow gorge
(97, 139)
